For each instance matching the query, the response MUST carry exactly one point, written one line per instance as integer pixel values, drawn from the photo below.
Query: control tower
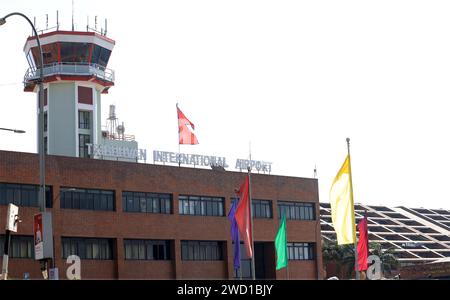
(75, 76)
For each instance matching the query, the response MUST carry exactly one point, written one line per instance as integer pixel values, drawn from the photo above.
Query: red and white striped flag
(184, 133)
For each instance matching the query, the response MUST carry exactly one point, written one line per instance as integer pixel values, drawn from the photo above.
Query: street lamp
(13, 130)
(41, 198)
(41, 112)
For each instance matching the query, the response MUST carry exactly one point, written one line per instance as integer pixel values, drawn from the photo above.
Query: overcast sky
(293, 77)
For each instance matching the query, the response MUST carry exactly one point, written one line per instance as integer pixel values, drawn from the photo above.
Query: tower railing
(70, 68)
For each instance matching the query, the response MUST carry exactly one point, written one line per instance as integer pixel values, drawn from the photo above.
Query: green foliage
(344, 257)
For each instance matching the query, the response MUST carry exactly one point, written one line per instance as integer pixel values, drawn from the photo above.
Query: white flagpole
(178, 121)
(353, 205)
(251, 210)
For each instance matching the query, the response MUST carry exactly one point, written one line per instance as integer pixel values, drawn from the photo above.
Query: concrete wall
(62, 119)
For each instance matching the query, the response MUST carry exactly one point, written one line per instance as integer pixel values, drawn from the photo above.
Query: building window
(45, 121)
(87, 248)
(147, 249)
(74, 52)
(85, 95)
(296, 210)
(21, 246)
(200, 206)
(300, 251)
(147, 202)
(83, 140)
(201, 250)
(23, 195)
(84, 119)
(89, 199)
(262, 209)
(100, 56)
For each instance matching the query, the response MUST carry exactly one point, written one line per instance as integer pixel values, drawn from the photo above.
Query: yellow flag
(342, 208)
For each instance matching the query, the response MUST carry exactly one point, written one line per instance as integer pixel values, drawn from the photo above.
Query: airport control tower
(75, 76)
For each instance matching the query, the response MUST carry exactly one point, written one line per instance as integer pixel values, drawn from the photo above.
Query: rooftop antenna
(73, 28)
(315, 171)
(57, 20)
(46, 21)
(87, 24)
(34, 24)
(95, 23)
(106, 25)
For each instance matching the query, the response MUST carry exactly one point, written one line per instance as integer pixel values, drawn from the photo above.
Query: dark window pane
(74, 52)
(100, 55)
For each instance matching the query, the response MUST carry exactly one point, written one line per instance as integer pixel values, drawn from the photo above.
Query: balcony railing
(71, 69)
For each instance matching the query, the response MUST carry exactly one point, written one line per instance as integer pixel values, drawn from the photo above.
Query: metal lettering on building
(189, 159)
(115, 151)
(209, 161)
(258, 165)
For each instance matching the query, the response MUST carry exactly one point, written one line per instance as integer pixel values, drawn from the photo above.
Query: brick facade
(16, 167)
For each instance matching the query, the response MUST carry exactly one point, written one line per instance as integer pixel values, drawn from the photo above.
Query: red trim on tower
(72, 33)
(90, 53)
(58, 46)
(30, 85)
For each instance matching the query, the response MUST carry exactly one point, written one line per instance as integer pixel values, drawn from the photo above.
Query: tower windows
(84, 119)
(83, 140)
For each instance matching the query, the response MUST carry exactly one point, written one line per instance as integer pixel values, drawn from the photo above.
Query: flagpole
(179, 160)
(251, 210)
(287, 253)
(353, 205)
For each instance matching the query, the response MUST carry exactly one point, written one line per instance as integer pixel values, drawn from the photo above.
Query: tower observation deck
(69, 56)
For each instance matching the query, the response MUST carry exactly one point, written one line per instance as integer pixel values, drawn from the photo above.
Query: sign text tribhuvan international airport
(208, 160)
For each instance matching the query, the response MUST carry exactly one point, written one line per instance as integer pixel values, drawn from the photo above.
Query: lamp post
(41, 198)
(41, 112)
(13, 130)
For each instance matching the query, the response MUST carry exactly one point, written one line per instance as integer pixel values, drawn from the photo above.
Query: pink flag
(243, 218)
(363, 245)
(184, 133)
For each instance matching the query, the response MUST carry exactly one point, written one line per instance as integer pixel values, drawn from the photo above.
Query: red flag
(243, 217)
(363, 245)
(184, 133)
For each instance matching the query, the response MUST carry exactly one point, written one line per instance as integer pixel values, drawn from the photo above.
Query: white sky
(293, 77)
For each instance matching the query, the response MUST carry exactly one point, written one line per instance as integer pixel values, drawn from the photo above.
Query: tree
(344, 257)
(389, 261)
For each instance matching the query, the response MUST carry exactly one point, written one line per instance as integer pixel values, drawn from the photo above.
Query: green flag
(281, 245)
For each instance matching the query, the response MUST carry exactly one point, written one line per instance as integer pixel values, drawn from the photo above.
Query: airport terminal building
(127, 218)
(130, 220)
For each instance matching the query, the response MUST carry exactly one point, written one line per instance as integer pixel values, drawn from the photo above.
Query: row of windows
(262, 209)
(73, 198)
(201, 250)
(23, 194)
(136, 249)
(87, 248)
(87, 199)
(20, 246)
(147, 250)
(201, 206)
(300, 251)
(70, 52)
(296, 210)
(147, 202)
